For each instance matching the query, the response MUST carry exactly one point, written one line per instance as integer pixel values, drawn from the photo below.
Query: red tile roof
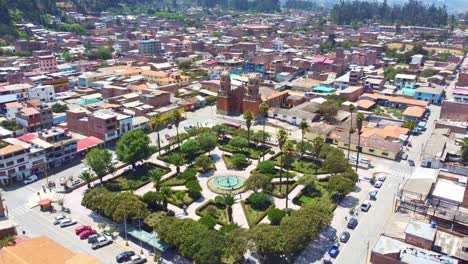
(88, 142)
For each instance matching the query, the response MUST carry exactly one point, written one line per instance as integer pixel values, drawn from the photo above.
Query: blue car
(334, 250)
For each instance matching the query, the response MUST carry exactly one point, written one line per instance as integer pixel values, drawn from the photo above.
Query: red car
(85, 234)
(80, 229)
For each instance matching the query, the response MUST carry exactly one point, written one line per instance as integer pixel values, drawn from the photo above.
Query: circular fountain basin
(226, 184)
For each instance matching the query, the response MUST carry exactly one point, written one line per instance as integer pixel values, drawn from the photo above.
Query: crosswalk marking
(402, 173)
(17, 211)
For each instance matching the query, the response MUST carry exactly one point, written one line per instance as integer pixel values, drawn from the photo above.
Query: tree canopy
(99, 160)
(133, 146)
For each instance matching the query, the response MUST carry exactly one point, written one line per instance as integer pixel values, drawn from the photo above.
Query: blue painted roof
(8, 98)
(323, 89)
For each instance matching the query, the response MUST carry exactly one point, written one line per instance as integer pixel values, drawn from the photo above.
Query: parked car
(345, 236)
(366, 205)
(31, 179)
(93, 238)
(58, 219)
(101, 242)
(352, 158)
(67, 222)
(382, 178)
(373, 194)
(365, 161)
(411, 162)
(334, 250)
(352, 223)
(80, 229)
(404, 156)
(124, 256)
(137, 259)
(378, 184)
(76, 182)
(85, 234)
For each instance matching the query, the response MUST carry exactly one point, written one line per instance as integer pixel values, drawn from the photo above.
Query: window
(10, 163)
(371, 150)
(385, 153)
(11, 171)
(20, 160)
(21, 168)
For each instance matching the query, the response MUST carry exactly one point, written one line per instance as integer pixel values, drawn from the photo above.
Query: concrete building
(29, 118)
(101, 124)
(47, 63)
(454, 111)
(44, 93)
(405, 81)
(149, 47)
(14, 162)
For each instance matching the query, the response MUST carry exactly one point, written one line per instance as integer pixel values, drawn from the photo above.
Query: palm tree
(178, 160)
(351, 110)
(156, 178)
(227, 200)
(166, 193)
(248, 117)
(177, 117)
(303, 126)
(360, 119)
(282, 136)
(317, 144)
(156, 123)
(87, 177)
(263, 108)
(288, 152)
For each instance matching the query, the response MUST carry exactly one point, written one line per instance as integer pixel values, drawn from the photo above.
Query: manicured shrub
(275, 215)
(194, 189)
(190, 174)
(208, 221)
(259, 201)
(266, 166)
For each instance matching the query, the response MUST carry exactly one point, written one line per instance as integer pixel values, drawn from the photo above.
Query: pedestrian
(346, 218)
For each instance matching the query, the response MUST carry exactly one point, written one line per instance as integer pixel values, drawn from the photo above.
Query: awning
(151, 239)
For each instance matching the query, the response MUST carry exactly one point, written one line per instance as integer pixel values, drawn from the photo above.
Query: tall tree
(282, 137)
(156, 123)
(351, 110)
(166, 193)
(178, 160)
(177, 117)
(156, 177)
(317, 144)
(248, 117)
(263, 109)
(227, 200)
(87, 177)
(303, 126)
(288, 151)
(360, 120)
(99, 160)
(133, 146)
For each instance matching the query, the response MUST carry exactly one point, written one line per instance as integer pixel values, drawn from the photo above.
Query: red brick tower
(224, 94)
(252, 98)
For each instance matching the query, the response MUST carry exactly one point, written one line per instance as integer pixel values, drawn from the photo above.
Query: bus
(234, 125)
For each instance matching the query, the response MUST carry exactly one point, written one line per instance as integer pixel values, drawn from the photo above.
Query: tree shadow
(348, 201)
(317, 248)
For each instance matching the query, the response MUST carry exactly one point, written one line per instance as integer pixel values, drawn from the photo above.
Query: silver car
(58, 219)
(67, 222)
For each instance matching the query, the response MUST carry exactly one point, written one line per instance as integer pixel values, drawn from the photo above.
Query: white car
(58, 219)
(67, 222)
(30, 179)
(352, 158)
(378, 184)
(101, 242)
(137, 259)
(365, 161)
(365, 206)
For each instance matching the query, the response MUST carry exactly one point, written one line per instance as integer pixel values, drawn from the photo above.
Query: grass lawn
(276, 174)
(216, 210)
(175, 200)
(228, 161)
(174, 181)
(253, 216)
(319, 194)
(134, 179)
(166, 157)
(306, 166)
(276, 188)
(395, 112)
(253, 151)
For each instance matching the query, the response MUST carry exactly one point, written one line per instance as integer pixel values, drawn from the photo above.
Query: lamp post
(139, 226)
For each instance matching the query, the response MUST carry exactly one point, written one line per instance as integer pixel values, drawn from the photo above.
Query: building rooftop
(449, 190)
(409, 253)
(414, 111)
(421, 229)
